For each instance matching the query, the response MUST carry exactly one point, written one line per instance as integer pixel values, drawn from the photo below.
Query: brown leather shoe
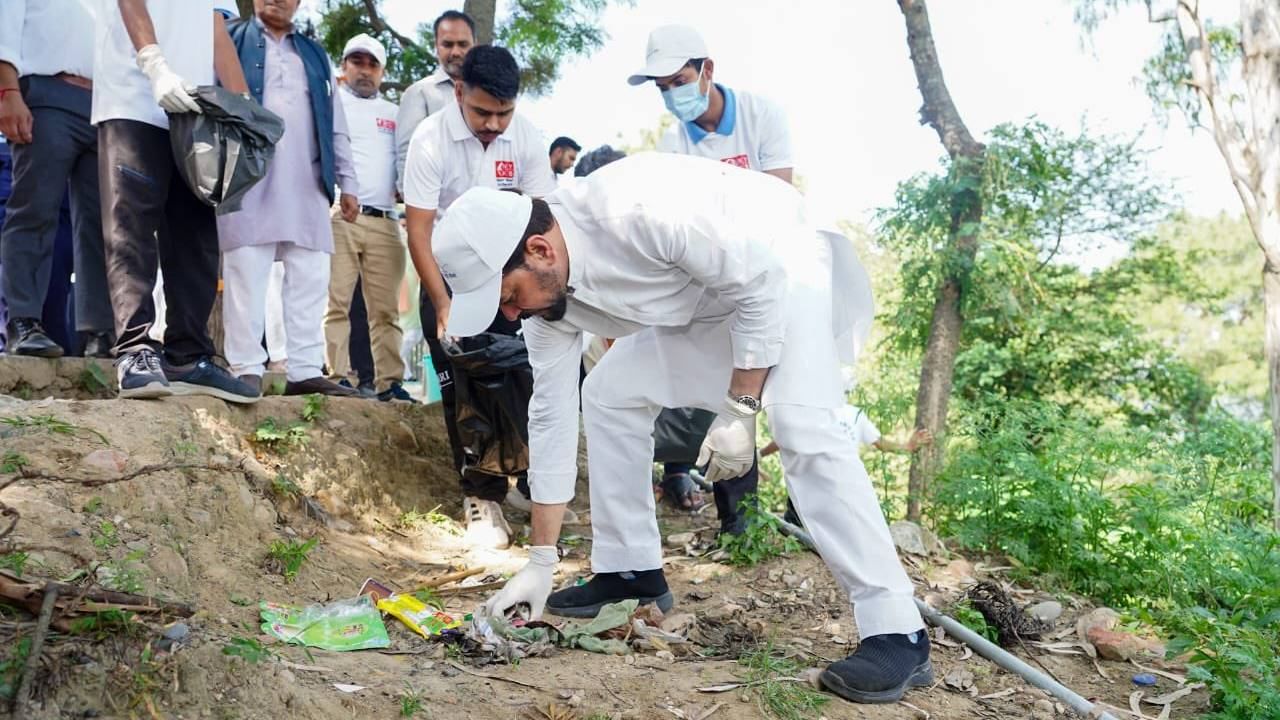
(318, 385)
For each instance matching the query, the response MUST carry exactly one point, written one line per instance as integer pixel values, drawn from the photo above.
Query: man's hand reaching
(531, 585)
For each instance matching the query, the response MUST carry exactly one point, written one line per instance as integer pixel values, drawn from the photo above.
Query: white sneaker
(517, 500)
(486, 527)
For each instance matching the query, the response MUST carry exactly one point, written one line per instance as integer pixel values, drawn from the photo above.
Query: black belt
(378, 213)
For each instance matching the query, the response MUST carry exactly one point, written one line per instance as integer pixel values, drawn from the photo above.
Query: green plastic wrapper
(353, 624)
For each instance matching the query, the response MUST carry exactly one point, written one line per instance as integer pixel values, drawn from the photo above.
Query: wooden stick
(463, 590)
(447, 578)
(22, 704)
(521, 683)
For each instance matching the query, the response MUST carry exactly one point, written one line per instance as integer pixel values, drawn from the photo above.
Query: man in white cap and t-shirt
(370, 249)
(716, 122)
(725, 297)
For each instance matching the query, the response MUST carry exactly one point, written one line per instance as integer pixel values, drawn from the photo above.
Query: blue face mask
(687, 102)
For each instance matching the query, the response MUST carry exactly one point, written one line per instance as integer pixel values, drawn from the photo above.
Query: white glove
(531, 585)
(171, 92)
(729, 449)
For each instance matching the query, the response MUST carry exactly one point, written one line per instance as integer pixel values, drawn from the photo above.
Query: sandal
(681, 492)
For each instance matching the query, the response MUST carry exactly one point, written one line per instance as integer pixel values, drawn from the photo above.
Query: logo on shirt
(386, 125)
(504, 169)
(739, 160)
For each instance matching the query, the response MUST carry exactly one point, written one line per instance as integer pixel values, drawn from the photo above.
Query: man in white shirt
(370, 249)
(716, 122)
(46, 62)
(479, 140)
(149, 57)
(726, 298)
(455, 33)
(563, 154)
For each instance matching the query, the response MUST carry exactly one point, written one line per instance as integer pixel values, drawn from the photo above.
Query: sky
(842, 72)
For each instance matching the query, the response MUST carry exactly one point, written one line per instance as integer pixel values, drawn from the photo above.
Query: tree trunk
(937, 369)
(245, 7)
(482, 11)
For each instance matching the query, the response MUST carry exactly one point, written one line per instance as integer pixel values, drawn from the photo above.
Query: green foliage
(93, 380)
(11, 666)
(287, 556)
(15, 562)
(284, 488)
(411, 701)
(779, 695)
(313, 407)
(124, 575)
(271, 434)
(251, 650)
(105, 536)
(1166, 76)
(104, 624)
(13, 462)
(760, 540)
(93, 505)
(414, 520)
(51, 424)
(970, 617)
(429, 597)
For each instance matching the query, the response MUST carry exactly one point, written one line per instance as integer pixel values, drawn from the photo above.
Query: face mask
(687, 102)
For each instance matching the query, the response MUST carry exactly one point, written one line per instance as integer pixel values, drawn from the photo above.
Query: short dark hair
(564, 142)
(492, 69)
(696, 64)
(453, 15)
(596, 159)
(540, 223)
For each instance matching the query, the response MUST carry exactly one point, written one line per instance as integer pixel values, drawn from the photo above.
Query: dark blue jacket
(251, 46)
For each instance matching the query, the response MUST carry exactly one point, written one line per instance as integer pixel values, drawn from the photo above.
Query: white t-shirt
(753, 134)
(855, 423)
(184, 32)
(372, 124)
(445, 160)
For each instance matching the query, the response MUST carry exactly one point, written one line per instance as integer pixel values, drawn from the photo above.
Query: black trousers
(473, 483)
(150, 221)
(360, 346)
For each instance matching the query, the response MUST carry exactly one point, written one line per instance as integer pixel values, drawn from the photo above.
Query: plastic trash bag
(492, 384)
(226, 149)
(678, 434)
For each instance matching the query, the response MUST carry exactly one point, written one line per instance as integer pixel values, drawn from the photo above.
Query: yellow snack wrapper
(417, 616)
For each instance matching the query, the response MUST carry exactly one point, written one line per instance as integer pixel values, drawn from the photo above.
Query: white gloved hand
(531, 585)
(729, 449)
(171, 92)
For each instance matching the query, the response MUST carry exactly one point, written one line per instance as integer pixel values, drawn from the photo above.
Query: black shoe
(396, 392)
(585, 601)
(99, 344)
(203, 377)
(27, 337)
(365, 389)
(791, 515)
(140, 376)
(882, 669)
(319, 385)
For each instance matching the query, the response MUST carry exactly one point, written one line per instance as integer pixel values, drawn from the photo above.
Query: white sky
(842, 71)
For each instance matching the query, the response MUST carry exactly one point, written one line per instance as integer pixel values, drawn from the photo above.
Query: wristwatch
(744, 404)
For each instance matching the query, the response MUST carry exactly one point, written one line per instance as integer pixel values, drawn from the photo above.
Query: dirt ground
(198, 536)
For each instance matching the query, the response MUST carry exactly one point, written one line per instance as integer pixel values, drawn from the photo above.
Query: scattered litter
(1170, 698)
(351, 624)
(1144, 679)
(344, 687)
(419, 618)
(1180, 679)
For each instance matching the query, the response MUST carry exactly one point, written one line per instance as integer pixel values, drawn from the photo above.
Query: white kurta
(701, 267)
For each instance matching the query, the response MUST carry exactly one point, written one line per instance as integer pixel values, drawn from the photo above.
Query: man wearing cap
(370, 249)
(718, 123)
(480, 140)
(724, 297)
(455, 33)
(286, 215)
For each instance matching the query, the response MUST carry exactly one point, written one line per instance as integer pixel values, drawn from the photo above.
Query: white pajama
(247, 272)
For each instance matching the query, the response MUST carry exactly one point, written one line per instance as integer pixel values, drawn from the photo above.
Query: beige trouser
(370, 248)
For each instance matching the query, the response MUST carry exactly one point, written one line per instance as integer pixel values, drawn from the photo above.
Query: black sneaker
(365, 390)
(882, 669)
(585, 601)
(27, 337)
(140, 376)
(203, 377)
(396, 392)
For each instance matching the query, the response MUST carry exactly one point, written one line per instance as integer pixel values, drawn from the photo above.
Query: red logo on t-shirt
(739, 160)
(386, 124)
(504, 169)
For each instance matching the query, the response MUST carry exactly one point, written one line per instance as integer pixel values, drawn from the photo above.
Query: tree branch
(380, 25)
(938, 111)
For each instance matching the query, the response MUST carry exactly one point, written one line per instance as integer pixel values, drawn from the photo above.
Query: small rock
(168, 564)
(680, 539)
(564, 694)
(814, 676)
(290, 531)
(790, 580)
(575, 700)
(909, 537)
(201, 518)
(665, 655)
(839, 640)
(335, 425)
(959, 679)
(245, 496)
(106, 460)
(1048, 611)
(724, 612)
(1121, 646)
(1042, 710)
(342, 525)
(287, 676)
(177, 631)
(137, 545)
(73, 532)
(450, 671)
(1102, 618)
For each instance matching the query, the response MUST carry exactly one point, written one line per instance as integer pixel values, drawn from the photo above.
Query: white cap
(474, 240)
(366, 44)
(670, 47)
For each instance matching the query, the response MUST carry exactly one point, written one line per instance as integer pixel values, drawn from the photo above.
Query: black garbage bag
(492, 384)
(678, 434)
(226, 149)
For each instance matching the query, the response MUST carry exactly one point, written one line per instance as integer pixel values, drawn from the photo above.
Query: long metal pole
(984, 647)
